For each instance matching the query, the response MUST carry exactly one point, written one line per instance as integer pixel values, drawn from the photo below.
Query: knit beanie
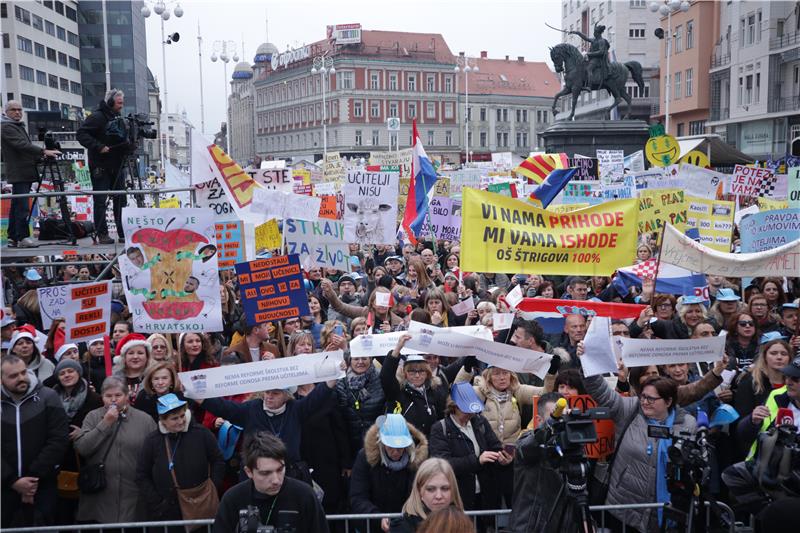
(69, 363)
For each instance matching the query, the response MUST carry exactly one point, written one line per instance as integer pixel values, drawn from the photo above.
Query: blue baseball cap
(727, 295)
(169, 402)
(394, 431)
(771, 336)
(33, 275)
(725, 414)
(465, 398)
(692, 299)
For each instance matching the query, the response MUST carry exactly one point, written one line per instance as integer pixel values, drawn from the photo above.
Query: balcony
(788, 39)
(719, 113)
(720, 60)
(790, 103)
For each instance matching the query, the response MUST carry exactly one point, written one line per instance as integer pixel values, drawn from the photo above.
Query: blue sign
(272, 289)
(769, 229)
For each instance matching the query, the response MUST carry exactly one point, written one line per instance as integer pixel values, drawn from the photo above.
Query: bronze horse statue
(569, 60)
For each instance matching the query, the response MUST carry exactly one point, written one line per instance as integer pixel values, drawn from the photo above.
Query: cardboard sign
(445, 218)
(400, 159)
(501, 321)
(230, 244)
(272, 289)
(276, 179)
(713, 220)
(660, 207)
(769, 229)
(587, 168)
(211, 195)
(584, 192)
(611, 165)
(88, 311)
(328, 207)
(333, 168)
(267, 236)
(274, 203)
(793, 187)
(370, 207)
(751, 181)
(318, 243)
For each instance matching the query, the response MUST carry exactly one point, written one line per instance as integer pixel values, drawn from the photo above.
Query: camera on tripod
(49, 140)
(139, 127)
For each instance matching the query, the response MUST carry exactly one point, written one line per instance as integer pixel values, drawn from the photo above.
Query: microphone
(785, 417)
(561, 404)
(702, 428)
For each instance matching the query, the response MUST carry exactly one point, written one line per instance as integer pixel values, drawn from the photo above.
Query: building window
(75, 63)
(38, 22)
(483, 139)
(690, 35)
(49, 28)
(29, 102)
(358, 137)
(71, 14)
(22, 15)
(55, 106)
(43, 103)
(751, 29)
(697, 127)
(9, 70)
(41, 77)
(448, 138)
(430, 138)
(61, 33)
(689, 81)
(678, 39)
(52, 81)
(758, 25)
(637, 31)
(412, 110)
(482, 114)
(757, 93)
(38, 50)
(448, 110)
(430, 110)
(393, 81)
(430, 82)
(63, 84)
(26, 45)
(59, 7)
(469, 113)
(374, 81)
(412, 82)
(4, 14)
(62, 59)
(375, 109)
(635, 4)
(393, 109)
(522, 139)
(448, 84)
(678, 85)
(748, 92)
(345, 79)
(739, 92)
(499, 115)
(376, 141)
(610, 6)
(680, 129)
(25, 73)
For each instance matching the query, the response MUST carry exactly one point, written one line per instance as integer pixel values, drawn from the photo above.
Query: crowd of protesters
(423, 435)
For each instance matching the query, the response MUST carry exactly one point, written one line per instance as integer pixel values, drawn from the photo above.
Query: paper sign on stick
(278, 204)
(52, 303)
(463, 307)
(383, 299)
(514, 297)
(230, 243)
(501, 321)
(272, 289)
(370, 207)
(599, 355)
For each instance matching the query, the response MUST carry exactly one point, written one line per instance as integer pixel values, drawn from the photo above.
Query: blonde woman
(160, 379)
(434, 489)
(161, 348)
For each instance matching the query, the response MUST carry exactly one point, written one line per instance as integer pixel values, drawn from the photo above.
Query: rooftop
(513, 77)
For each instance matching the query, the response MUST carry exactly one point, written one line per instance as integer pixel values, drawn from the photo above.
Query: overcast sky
(510, 27)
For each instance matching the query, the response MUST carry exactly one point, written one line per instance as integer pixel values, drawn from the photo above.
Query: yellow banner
(268, 236)
(659, 207)
(508, 235)
(169, 203)
(567, 208)
(767, 204)
(713, 220)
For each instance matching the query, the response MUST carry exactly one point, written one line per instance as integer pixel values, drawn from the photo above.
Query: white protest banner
(598, 357)
(652, 179)
(318, 243)
(646, 352)
(277, 179)
(634, 163)
(502, 160)
(381, 344)
(463, 307)
(88, 311)
(170, 271)
(262, 375)
(326, 188)
(449, 343)
(370, 207)
(501, 321)
(751, 181)
(279, 204)
(400, 159)
(383, 299)
(52, 303)
(702, 182)
(679, 250)
(467, 177)
(211, 195)
(611, 164)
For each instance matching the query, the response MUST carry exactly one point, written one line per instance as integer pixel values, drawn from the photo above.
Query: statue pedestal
(584, 137)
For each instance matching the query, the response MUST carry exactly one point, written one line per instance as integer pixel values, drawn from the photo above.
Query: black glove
(555, 364)
(369, 266)
(470, 363)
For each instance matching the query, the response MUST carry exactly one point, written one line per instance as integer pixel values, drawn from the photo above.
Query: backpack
(53, 229)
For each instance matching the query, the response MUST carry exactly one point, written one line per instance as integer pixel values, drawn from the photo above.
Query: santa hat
(130, 340)
(64, 348)
(21, 334)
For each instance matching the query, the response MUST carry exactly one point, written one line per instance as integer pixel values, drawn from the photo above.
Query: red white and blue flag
(670, 279)
(546, 191)
(420, 189)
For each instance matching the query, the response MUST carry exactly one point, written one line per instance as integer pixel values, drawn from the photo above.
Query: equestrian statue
(594, 72)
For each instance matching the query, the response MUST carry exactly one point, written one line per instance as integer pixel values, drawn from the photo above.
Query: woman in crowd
(384, 469)
(772, 289)
(688, 393)
(65, 351)
(742, 343)
(726, 304)
(640, 476)
(195, 352)
(435, 488)
(55, 338)
(663, 306)
(159, 380)
(568, 382)
(447, 520)
(417, 278)
(78, 399)
(161, 349)
(417, 396)
(466, 439)
(436, 304)
(134, 356)
(113, 435)
(358, 326)
(691, 312)
(546, 290)
(180, 452)
(301, 342)
(360, 398)
(643, 253)
(95, 363)
(320, 316)
(379, 317)
(758, 308)
(23, 345)
(597, 284)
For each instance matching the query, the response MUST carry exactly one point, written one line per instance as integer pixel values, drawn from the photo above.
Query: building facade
(241, 113)
(630, 27)
(41, 59)
(755, 78)
(152, 147)
(127, 50)
(179, 137)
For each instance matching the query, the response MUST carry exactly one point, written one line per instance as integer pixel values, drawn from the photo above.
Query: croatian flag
(420, 189)
(551, 186)
(670, 279)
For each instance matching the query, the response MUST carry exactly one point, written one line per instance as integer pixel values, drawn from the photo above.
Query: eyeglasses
(746, 323)
(664, 306)
(14, 109)
(758, 305)
(644, 398)
(416, 371)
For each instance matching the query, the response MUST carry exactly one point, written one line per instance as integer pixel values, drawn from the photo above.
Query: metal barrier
(353, 523)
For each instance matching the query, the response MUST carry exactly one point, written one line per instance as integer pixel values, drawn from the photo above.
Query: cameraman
(20, 156)
(269, 493)
(104, 138)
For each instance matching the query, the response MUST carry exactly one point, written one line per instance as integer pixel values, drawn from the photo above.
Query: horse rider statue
(597, 56)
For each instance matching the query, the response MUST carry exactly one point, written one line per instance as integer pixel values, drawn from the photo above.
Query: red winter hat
(130, 340)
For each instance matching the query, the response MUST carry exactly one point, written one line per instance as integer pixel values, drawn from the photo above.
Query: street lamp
(666, 8)
(225, 51)
(161, 9)
(466, 65)
(324, 66)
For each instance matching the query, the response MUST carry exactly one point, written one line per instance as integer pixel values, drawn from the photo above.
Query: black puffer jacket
(360, 407)
(422, 410)
(94, 134)
(19, 154)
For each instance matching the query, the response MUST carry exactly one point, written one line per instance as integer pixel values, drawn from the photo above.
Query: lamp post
(666, 8)
(161, 9)
(466, 65)
(323, 65)
(225, 51)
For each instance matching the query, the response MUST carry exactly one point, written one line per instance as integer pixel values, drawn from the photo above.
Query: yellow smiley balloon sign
(696, 158)
(662, 151)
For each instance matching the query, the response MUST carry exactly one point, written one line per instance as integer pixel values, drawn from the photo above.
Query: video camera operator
(20, 156)
(107, 144)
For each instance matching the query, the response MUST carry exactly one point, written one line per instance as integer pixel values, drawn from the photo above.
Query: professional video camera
(131, 129)
(49, 140)
(250, 521)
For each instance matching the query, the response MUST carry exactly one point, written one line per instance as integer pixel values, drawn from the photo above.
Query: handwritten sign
(277, 179)
(88, 311)
(230, 244)
(272, 289)
(318, 242)
(751, 181)
(211, 195)
(268, 236)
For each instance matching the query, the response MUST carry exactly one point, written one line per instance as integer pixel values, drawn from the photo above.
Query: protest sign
(751, 181)
(272, 289)
(279, 204)
(739, 215)
(587, 168)
(325, 189)
(170, 271)
(598, 357)
(769, 229)
(445, 217)
(702, 182)
(611, 165)
(506, 189)
(211, 195)
(332, 167)
(318, 243)
(262, 376)
(660, 207)
(52, 303)
(448, 343)
(626, 188)
(276, 179)
(370, 207)
(653, 179)
(88, 311)
(508, 235)
(588, 192)
(378, 345)
(501, 321)
(566, 208)
(169, 203)
(328, 207)
(634, 162)
(467, 178)
(793, 187)
(646, 352)
(713, 220)
(230, 244)
(502, 160)
(463, 307)
(679, 250)
(267, 236)
(767, 204)
(400, 159)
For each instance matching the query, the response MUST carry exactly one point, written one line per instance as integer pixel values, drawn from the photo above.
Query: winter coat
(633, 477)
(449, 442)
(196, 458)
(360, 408)
(740, 356)
(252, 417)
(92, 402)
(42, 367)
(376, 489)
(34, 434)
(20, 155)
(408, 523)
(93, 135)
(421, 410)
(355, 311)
(119, 501)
